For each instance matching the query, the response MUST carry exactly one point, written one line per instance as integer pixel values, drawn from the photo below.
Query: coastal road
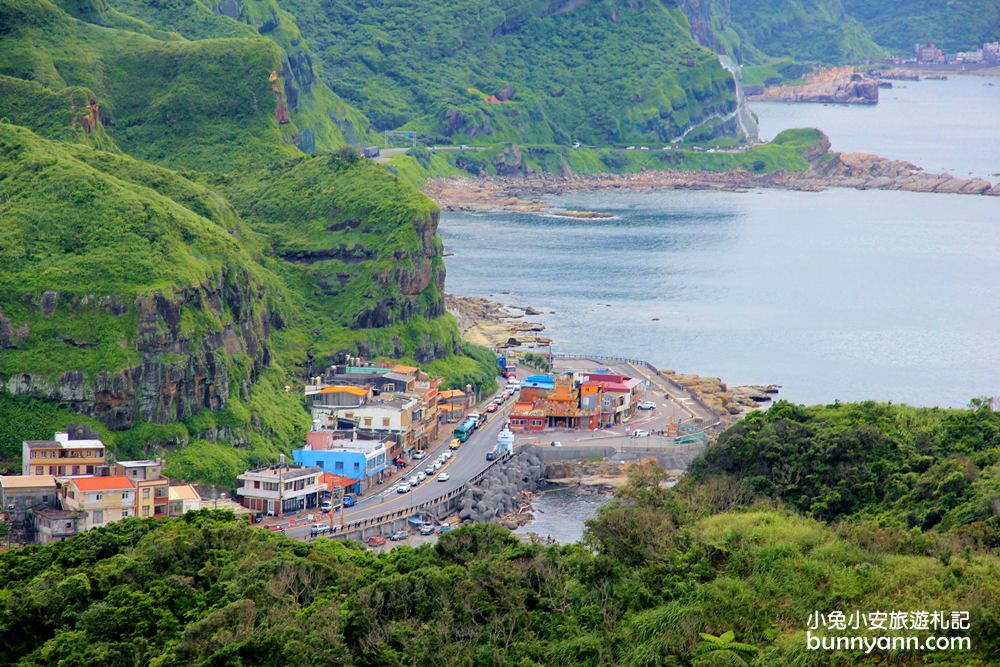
(466, 462)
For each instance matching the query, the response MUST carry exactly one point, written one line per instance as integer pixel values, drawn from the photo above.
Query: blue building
(361, 460)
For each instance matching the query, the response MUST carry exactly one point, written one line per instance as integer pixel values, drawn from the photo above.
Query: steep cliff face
(179, 370)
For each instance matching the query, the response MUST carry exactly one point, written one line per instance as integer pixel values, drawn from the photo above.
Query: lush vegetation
(489, 71)
(895, 465)
(700, 576)
(757, 33)
(958, 25)
(154, 198)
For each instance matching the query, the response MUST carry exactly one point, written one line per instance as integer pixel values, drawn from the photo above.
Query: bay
(837, 295)
(947, 126)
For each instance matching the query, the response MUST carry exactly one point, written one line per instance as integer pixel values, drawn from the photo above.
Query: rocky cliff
(839, 85)
(179, 371)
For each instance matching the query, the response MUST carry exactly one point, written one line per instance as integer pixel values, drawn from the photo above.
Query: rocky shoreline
(836, 85)
(493, 324)
(861, 171)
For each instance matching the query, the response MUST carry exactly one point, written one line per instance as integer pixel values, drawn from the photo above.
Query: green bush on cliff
(598, 72)
(89, 236)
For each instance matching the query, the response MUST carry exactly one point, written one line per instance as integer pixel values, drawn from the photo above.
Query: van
(473, 415)
(326, 506)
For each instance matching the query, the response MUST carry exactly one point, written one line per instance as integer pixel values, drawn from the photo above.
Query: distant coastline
(860, 171)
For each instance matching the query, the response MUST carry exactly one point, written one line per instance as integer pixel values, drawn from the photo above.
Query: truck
(464, 430)
(509, 371)
(371, 151)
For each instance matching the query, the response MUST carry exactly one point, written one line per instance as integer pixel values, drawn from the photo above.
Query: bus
(465, 429)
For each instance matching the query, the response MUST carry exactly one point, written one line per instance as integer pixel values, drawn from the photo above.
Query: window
(256, 484)
(145, 493)
(145, 510)
(38, 470)
(357, 467)
(339, 467)
(98, 496)
(124, 514)
(385, 422)
(368, 422)
(161, 492)
(97, 516)
(125, 496)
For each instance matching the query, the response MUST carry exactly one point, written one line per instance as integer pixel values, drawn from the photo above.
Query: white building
(280, 489)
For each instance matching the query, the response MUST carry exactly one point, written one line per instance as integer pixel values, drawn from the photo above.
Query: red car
(492, 407)
(376, 541)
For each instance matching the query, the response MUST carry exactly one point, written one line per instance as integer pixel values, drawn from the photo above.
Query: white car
(644, 148)
(630, 148)
(444, 477)
(421, 476)
(640, 433)
(436, 466)
(419, 454)
(403, 488)
(647, 405)
(447, 455)
(555, 443)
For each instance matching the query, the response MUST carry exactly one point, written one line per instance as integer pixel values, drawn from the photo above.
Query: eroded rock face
(179, 372)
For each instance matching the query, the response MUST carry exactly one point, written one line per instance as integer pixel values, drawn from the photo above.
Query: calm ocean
(842, 294)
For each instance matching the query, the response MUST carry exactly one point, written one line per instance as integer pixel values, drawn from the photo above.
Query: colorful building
(280, 489)
(101, 500)
(363, 461)
(75, 452)
(559, 402)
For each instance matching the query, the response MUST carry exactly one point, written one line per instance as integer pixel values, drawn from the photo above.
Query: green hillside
(958, 25)
(695, 577)
(755, 33)
(596, 71)
(899, 466)
(172, 259)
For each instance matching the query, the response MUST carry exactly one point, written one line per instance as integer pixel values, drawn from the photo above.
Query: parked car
(640, 433)
(318, 529)
(349, 501)
(555, 443)
(326, 506)
(403, 488)
(376, 541)
(399, 536)
(427, 529)
(647, 405)
(443, 528)
(419, 454)
(444, 477)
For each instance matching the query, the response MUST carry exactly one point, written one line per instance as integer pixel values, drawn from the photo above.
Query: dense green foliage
(756, 33)
(663, 579)
(957, 25)
(568, 71)
(310, 256)
(837, 31)
(901, 466)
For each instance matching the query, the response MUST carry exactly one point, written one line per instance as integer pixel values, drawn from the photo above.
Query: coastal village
(370, 421)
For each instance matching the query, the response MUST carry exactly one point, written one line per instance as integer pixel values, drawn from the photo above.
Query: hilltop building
(280, 489)
(78, 451)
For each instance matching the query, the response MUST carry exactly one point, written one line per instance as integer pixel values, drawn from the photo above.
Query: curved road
(467, 461)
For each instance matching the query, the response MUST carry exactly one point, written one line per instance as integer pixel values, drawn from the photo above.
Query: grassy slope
(207, 590)
(203, 104)
(316, 109)
(580, 71)
(900, 466)
(785, 153)
(961, 25)
(756, 33)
